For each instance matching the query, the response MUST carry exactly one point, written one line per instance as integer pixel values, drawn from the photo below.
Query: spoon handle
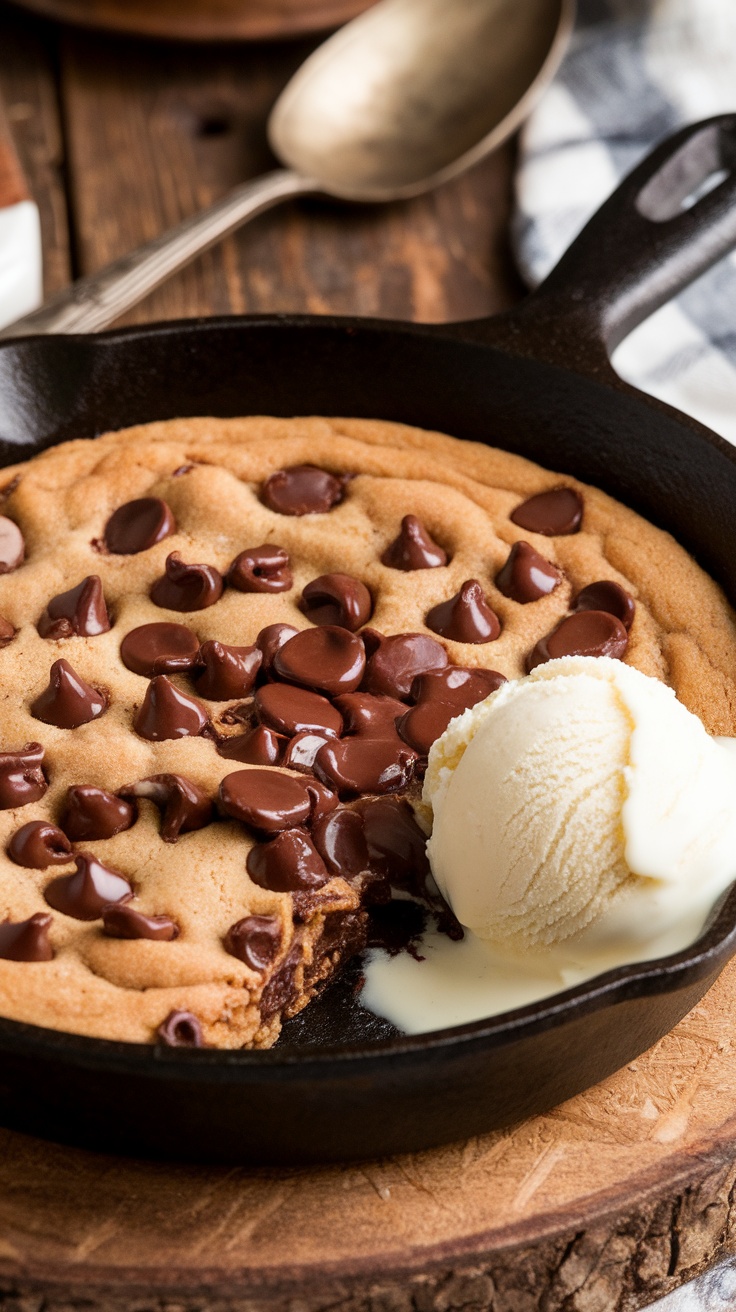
(94, 302)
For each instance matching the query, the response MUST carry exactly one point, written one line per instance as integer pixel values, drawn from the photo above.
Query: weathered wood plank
(28, 88)
(156, 133)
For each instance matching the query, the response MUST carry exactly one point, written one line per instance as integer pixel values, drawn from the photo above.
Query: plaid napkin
(637, 70)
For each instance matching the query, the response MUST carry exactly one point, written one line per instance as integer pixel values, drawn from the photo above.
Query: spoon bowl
(409, 94)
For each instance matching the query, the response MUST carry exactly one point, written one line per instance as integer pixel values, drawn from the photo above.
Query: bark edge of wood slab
(203, 20)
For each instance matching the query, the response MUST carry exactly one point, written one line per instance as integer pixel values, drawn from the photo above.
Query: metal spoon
(409, 94)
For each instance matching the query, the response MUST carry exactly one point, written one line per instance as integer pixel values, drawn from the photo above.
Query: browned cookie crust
(173, 940)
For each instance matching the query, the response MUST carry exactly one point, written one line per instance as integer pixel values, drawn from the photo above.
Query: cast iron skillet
(340, 1083)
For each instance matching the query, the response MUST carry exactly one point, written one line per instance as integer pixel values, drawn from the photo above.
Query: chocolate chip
(261, 569)
(302, 490)
(12, 546)
(228, 671)
(413, 548)
(260, 746)
(608, 596)
(337, 599)
(183, 804)
(160, 648)
(554, 513)
(302, 749)
(84, 895)
(365, 765)
(180, 1030)
(440, 696)
(39, 844)
(527, 576)
(138, 525)
(399, 660)
(322, 799)
(80, 611)
(186, 587)
(91, 813)
(255, 941)
(7, 631)
(265, 799)
(328, 658)
(69, 700)
(586, 633)
(373, 717)
(168, 713)
(396, 844)
(272, 639)
(26, 940)
(296, 710)
(466, 617)
(340, 841)
(124, 922)
(287, 864)
(22, 779)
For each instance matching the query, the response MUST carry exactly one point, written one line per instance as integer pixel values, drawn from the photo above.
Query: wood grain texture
(28, 89)
(204, 20)
(154, 135)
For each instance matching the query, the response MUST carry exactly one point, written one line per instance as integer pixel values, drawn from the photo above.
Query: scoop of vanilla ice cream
(584, 797)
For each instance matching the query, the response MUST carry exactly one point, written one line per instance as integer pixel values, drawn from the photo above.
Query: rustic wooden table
(602, 1205)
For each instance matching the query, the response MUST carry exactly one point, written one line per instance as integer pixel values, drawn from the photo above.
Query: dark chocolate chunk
(302, 749)
(159, 648)
(270, 640)
(81, 611)
(22, 779)
(7, 631)
(39, 844)
(554, 513)
(527, 576)
(413, 548)
(260, 746)
(85, 895)
(372, 717)
(91, 813)
(586, 633)
(288, 863)
(12, 546)
(265, 799)
(180, 1030)
(69, 700)
(609, 596)
(168, 713)
(399, 660)
(123, 922)
(466, 617)
(337, 599)
(440, 696)
(302, 490)
(186, 587)
(138, 525)
(184, 805)
(365, 765)
(261, 569)
(322, 799)
(26, 940)
(340, 840)
(228, 671)
(396, 845)
(296, 710)
(328, 659)
(255, 941)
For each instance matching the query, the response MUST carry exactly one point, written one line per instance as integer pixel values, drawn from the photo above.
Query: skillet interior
(341, 1084)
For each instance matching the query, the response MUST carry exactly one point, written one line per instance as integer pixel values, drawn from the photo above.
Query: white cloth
(20, 261)
(636, 71)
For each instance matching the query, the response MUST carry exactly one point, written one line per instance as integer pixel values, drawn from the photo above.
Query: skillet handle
(644, 245)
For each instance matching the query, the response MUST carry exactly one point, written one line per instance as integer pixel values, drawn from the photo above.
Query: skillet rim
(708, 954)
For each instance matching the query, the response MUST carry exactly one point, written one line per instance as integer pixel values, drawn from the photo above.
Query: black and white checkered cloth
(636, 71)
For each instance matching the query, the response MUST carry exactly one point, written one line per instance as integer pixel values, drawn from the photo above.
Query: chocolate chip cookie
(226, 647)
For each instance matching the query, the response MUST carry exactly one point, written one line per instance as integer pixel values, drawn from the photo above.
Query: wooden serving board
(204, 20)
(602, 1205)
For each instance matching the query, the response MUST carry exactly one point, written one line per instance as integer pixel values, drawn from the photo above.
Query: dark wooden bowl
(204, 20)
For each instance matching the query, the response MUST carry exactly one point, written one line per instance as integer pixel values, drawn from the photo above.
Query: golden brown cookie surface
(210, 476)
